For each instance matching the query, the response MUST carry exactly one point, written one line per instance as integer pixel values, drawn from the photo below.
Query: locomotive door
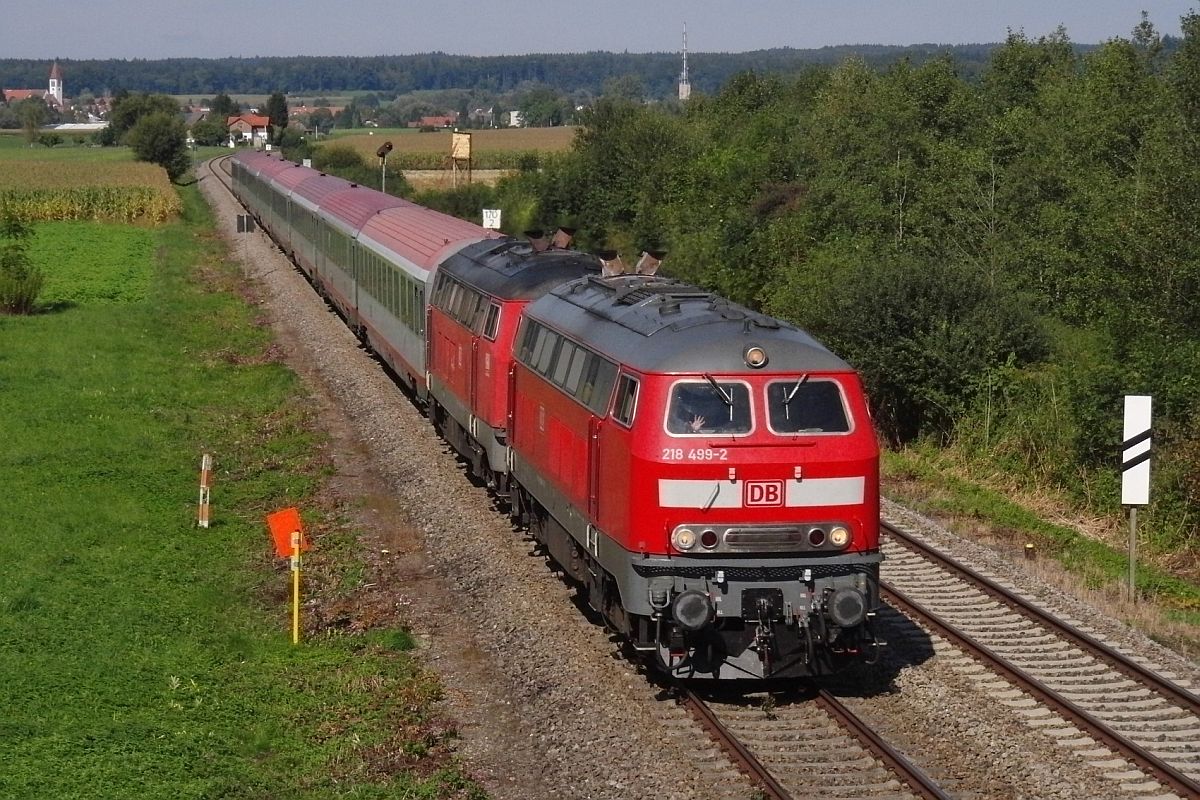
(593, 468)
(473, 380)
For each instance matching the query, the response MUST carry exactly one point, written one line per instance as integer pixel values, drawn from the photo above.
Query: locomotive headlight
(683, 539)
(839, 536)
(754, 356)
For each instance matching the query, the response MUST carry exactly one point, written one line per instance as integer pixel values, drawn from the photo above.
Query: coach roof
(658, 324)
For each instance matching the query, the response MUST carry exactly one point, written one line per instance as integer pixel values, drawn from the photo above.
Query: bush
(922, 334)
(348, 163)
(20, 281)
(160, 138)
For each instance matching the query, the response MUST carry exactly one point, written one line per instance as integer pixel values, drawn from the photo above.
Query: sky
(86, 29)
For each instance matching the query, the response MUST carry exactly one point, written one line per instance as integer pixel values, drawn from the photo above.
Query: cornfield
(63, 190)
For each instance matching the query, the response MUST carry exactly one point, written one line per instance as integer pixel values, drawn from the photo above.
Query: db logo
(763, 493)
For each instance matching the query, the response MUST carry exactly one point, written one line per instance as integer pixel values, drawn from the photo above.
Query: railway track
(810, 746)
(1136, 725)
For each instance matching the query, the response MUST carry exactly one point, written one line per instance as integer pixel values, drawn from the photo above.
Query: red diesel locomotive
(708, 475)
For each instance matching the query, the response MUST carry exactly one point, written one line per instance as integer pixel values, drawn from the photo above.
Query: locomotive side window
(565, 352)
(806, 406)
(525, 339)
(709, 406)
(583, 374)
(599, 377)
(575, 371)
(491, 322)
(627, 390)
(543, 356)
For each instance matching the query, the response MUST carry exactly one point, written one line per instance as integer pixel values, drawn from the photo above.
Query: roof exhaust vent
(562, 238)
(611, 264)
(650, 261)
(538, 240)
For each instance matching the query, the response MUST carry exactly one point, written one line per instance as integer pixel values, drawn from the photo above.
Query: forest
(1002, 258)
(395, 75)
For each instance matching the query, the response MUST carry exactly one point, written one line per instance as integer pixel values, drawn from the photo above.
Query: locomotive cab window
(709, 406)
(626, 402)
(806, 405)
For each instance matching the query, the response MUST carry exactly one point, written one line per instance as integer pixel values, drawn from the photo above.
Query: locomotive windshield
(709, 406)
(804, 405)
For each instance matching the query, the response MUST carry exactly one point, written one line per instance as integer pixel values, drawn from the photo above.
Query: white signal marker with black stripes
(1135, 451)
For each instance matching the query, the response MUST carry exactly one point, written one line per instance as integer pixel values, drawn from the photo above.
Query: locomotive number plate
(695, 454)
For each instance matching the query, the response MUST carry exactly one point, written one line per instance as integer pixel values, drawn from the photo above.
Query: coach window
(491, 323)
(806, 405)
(709, 406)
(627, 391)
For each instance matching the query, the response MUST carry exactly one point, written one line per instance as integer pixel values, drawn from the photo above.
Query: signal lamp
(754, 356)
(816, 537)
(709, 539)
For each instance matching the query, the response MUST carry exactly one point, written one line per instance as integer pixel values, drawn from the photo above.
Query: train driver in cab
(707, 406)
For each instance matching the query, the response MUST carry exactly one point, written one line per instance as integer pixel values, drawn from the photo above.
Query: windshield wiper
(728, 398)
(787, 401)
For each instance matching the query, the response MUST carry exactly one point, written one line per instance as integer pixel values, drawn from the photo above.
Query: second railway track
(1146, 724)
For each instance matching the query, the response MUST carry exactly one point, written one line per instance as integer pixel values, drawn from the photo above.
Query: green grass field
(143, 656)
(14, 147)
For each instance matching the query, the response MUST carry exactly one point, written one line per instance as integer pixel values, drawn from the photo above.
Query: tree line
(1002, 258)
(401, 74)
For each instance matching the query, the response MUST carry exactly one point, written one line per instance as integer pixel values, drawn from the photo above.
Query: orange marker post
(287, 534)
(296, 537)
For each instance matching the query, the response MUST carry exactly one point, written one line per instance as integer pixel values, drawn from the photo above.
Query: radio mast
(685, 87)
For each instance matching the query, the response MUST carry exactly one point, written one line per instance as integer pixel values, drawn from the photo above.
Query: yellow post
(296, 587)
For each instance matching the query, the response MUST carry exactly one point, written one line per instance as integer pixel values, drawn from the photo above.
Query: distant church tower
(685, 86)
(56, 84)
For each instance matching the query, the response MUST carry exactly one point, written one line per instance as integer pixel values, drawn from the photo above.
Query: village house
(441, 121)
(248, 129)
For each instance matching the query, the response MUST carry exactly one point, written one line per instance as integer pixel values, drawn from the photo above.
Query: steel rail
(742, 758)
(1120, 662)
(1147, 761)
(910, 773)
